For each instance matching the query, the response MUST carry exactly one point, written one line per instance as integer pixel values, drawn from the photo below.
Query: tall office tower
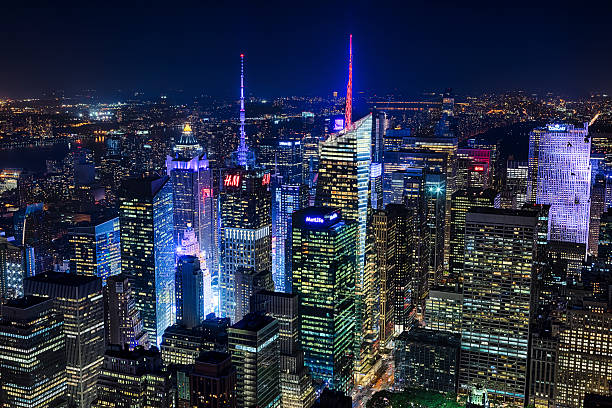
(324, 265)
(79, 299)
(409, 264)
(344, 175)
(542, 369)
(604, 251)
(134, 378)
(560, 176)
(296, 385)
(182, 345)
(288, 198)
(310, 164)
(12, 269)
(212, 381)
(435, 195)
(379, 128)
(395, 139)
(474, 169)
(147, 249)
(517, 179)
(500, 258)
(443, 311)
(246, 228)
(189, 291)
(386, 233)
(343, 183)
(254, 346)
(96, 249)
(427, 359)
(598, 206)
(247, 283)
(584, 360)
(461, 202)
(123, 322)
(33, 354)
(192, 198)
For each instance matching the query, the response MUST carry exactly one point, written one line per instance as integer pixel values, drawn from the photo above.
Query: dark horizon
(551, 47)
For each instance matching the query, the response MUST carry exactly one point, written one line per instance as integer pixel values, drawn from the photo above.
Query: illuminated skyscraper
(288, 199)
(147, 249)
(474, 169)
(12, 269)
(193, 204)
(500, 258)
(123, 324)
(296, 384)
(461, 202)
(96, 249)
(517, 173)
(254, 346)
(243, 156)
(79, 299)
(245, 230)
(324, 266)
(560, 175)
(134, 378)
(385, 232)
(32, 354)
(584, 360)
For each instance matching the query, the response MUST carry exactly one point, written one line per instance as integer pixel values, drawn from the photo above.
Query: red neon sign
(266, 179)
(478, 168)
(206, 192)
(231, 180)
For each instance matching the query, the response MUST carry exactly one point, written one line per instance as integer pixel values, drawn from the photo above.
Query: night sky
(406, 46)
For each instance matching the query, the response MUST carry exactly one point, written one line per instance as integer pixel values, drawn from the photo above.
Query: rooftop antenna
(349, 88)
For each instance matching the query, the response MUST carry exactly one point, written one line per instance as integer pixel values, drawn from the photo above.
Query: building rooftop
(253, 322)
(60, 278)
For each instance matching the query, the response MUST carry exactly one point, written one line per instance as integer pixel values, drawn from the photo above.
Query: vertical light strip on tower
(349, 88)
(242, 149)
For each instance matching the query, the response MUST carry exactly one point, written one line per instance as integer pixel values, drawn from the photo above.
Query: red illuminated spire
(349, 88)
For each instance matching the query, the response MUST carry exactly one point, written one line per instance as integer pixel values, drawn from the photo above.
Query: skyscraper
(254, 346)
(517, 174)
(461, 202)
(296, 385)
(560, 176)
(246, 230)
(32, 354)
(12, 269)
(79, 299)
(96, 249)
(147, 249)
(189, 291)
(123, 324)
(193, 204)
(324, 266)
(134, 378)
(288, 198)
(500, 259)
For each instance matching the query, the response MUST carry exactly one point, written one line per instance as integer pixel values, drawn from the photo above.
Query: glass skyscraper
(147, 249)
(343, 183)
(288, 198)
(560, 176)
(193, 203)
(96, 249)
(324, 265)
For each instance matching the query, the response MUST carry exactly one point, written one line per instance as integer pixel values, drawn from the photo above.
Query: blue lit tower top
(243, 157)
